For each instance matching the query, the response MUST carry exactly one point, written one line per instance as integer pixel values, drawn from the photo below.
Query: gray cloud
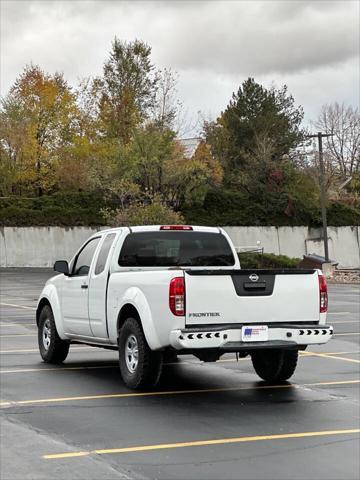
(264, 37)
(213, 44)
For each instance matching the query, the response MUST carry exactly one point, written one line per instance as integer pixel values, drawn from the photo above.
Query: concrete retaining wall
(41, 246)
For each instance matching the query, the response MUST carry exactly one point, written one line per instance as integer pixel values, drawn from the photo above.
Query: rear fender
(135, 297)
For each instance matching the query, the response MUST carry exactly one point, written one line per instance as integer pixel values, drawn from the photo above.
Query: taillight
(177, 296)
(323, 294)
(176, 227)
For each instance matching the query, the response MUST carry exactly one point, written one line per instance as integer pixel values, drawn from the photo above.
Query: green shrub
(266, 260)
(54, 216)
(56, 210)
(339, 214)
(156, 213)
(221, 207)
(228, 207)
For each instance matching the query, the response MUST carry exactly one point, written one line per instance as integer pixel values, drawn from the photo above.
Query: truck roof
(154, 228)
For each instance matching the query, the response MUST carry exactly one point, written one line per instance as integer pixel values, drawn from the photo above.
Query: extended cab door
(99, 278)
(76, 291)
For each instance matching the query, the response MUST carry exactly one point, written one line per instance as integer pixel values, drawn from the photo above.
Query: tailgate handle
(254, 286)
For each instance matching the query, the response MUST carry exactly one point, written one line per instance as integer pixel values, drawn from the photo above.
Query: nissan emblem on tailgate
(253, 277)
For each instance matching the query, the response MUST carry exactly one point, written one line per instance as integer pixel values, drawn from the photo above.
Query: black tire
(145, 372)
(275, 365)
(52, 348)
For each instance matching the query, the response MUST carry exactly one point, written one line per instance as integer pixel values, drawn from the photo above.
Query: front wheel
(140, 367)
(52, 348)
(275, 365)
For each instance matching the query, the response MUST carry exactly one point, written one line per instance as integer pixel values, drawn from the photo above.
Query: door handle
(84, 286)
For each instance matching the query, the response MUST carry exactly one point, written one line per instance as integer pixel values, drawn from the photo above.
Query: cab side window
(84, 258)
(104, 252)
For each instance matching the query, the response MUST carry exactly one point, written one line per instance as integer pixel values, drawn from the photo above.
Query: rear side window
(176, 248)
(104, 252)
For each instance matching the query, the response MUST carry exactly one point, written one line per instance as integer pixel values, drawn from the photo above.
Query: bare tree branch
(343, 148)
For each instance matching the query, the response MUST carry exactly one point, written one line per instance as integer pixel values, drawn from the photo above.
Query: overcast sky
(312, 46)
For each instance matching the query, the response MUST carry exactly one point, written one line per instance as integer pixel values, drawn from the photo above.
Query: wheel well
(43, 302)
(127, 311)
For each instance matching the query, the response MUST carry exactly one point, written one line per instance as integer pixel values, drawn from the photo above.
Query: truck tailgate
(251, 296)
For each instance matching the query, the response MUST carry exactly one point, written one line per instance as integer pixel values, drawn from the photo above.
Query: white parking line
(345, 321)
(17, 306)
(17, 324)
(18, 335)
(338, 313)
(36, 350)
(344, 334)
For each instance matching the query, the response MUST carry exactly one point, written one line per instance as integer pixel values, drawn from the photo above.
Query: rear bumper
(229, 340)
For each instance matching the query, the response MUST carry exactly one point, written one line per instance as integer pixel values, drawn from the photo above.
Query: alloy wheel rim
(131, 353)
(46, 334)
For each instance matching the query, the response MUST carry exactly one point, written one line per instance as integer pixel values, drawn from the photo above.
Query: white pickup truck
(158, 291)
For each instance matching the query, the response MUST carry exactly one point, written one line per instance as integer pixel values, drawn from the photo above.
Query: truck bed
(216, 297)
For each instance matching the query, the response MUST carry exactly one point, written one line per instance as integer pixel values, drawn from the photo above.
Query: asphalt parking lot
(204, 420)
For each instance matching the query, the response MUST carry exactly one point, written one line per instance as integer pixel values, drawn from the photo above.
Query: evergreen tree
(256, 118)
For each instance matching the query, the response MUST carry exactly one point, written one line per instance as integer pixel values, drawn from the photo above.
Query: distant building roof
(190, 145)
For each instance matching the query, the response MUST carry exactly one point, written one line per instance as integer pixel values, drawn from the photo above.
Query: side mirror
(62, 266)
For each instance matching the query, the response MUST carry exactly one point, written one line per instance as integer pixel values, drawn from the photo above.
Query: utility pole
(320, 136)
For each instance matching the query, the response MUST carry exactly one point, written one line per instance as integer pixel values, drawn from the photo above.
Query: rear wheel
(52, 348)
(275, 365)
(140, 367)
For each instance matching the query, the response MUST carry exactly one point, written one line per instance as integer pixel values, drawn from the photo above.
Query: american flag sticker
(257, 333)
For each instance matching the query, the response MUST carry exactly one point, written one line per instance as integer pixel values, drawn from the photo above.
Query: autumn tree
(39, 117)
(13, 145)
(7, 173)
(157, 163)
(167, 107)
(90, 161)
(88, 98)
(152, 147)
(189, 178)
(128, 88)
